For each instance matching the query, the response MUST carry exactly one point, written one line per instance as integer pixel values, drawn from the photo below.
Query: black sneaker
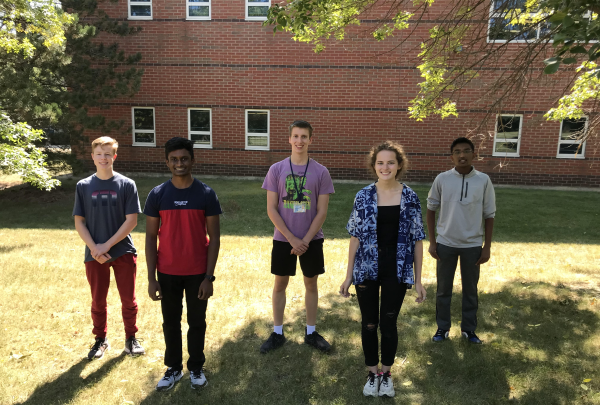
(273, 342)
(317, 341)
(98, 348)
(133, 347)
(471, 337)
(440, 335)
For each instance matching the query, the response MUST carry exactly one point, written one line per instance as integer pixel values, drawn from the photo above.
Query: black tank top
(388, 222)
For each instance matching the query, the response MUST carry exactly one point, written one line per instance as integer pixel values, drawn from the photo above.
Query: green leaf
(557, 17)
(569, 61)
(567, 21)
(578, 49)
(551, 68)
(552, 60)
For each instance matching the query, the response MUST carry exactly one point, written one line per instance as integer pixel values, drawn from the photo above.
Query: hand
(206, 290)
(433, 250)
(298, 246)
(485, 256)
(344, 288)
(153, 289)
(421, 293)
(103, 258)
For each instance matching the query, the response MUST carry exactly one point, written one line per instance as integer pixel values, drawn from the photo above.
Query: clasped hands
(100, 252)
(299, 246)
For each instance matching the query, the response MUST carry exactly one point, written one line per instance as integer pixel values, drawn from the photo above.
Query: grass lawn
(539, 313)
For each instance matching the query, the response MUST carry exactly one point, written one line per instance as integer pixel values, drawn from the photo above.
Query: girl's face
(386, 165)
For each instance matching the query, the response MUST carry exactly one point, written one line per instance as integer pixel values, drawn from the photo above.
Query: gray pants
(446, 267)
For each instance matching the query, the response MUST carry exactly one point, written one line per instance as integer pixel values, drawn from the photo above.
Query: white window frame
(139, 3)
(133, 130)
(505, 140)
(581, 152)
(250, 3)
(195, 3)
(267, 135)
(499, 14)
(209, 133)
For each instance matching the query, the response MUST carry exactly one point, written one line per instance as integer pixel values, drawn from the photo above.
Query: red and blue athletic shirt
(182, 239)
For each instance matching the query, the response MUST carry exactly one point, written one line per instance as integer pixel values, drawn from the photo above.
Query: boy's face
(180, 162)
(300, 139)
(462, 155)
(104, 157)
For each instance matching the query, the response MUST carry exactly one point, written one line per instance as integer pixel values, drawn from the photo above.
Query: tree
(470, 36)
(54, 88)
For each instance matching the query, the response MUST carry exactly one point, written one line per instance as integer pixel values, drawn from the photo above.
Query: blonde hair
(104, 141)
(392, 147)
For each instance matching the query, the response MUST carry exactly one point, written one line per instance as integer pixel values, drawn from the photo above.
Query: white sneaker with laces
(169, 380)
(133, 347)
(372, 385)
(386, 385)
(197, 379)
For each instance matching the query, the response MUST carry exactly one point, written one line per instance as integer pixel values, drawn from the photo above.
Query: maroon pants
(98, 275)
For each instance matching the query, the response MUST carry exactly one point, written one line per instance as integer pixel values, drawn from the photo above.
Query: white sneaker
(133, 347)
(197, 379)
(169, 380)
(98, 348)
(386, 385)
(372, 385)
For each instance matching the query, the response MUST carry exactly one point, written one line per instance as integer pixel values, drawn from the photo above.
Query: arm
(486, 251)
(272, 210)
(354, 244)
(124, 230)
(318, 221)
(152, 226)
(84, 234)
(214, 234)
(418, 263)
(431, 232)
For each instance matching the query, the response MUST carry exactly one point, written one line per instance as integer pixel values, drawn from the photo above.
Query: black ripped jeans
(392, 296)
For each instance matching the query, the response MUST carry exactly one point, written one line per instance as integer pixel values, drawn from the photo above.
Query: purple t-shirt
(298, 211)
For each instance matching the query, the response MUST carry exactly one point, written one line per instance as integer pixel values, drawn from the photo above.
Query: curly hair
(393, 147)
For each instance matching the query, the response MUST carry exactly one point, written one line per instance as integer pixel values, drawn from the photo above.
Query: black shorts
(283, 263)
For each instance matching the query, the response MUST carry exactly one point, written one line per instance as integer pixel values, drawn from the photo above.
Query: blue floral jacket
(363, 225)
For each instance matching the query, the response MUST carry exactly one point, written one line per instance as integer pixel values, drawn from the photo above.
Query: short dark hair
(302, 124)
(462, 139)
(177, 144)
(392, 147)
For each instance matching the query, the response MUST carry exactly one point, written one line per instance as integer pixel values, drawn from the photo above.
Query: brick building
(214, 74)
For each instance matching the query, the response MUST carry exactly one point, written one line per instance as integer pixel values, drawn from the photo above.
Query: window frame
(250, 3)
(209, 133)
(505, 140)
(267, 135)
(502, 14)
(193, 3)
(139, 3)
(146, 131)
(581, 153)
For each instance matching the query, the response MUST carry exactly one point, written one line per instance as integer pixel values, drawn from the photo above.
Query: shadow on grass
(534, 352)
(66, 387)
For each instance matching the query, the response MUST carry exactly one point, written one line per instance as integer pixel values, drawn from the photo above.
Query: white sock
(310, 329)
(278, 329)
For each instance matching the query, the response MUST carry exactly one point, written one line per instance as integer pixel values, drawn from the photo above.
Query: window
(200, 127)
(143, 126)
(501, 30)
(257, 129)
(569, 144)
(140, 9)
(257, 9)
(508, 135)
(198, 9)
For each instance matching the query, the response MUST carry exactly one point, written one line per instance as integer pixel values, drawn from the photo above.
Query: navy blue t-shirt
(105, 205)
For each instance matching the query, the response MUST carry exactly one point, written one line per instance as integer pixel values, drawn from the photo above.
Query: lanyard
(299, 191)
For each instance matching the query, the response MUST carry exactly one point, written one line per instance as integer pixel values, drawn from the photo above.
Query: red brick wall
(356, 93)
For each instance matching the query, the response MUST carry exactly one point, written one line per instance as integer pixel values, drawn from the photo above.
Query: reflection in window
(140, 9)
(257, 9)
(199, 127)
(571, 143)
(198, 9)
(508, 135)
(257, 129)
(143, 126)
